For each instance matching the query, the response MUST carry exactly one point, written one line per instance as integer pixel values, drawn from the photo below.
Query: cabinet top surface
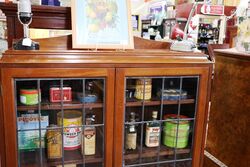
(233, 53)
(135, 56)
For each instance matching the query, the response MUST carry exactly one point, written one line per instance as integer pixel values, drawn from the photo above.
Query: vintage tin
(29, 96)
(172, 94)
(55, 94)
(140, 92)
(72, 120)
(54, 142)
(170, 131)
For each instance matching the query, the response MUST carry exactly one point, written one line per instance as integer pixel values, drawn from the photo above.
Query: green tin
(170, 137)
(29, 96)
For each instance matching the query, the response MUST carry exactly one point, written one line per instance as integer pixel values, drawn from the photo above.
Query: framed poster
(101, 24)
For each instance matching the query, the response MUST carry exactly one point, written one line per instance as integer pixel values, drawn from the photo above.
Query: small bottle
(153, 132)
(131, 134)
(158, 36)
(89, 137)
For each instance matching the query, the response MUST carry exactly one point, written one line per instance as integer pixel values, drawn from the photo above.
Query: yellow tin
(139, 89)
(72, 120)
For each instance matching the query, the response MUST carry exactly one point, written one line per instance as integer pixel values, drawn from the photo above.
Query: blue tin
(172, 94)
(90, 98)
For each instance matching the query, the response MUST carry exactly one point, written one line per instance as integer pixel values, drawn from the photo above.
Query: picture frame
(101, 24)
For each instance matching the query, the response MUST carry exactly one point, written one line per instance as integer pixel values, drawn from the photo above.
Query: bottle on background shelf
(152, 137)
(89, 136)
(131, 134)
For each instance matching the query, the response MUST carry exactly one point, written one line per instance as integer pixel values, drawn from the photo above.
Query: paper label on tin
(23, 99)
(72, 137)
(140, 92)
(27, 42)
(72, 131)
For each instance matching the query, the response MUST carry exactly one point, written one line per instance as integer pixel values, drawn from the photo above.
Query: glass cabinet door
(60, 122)
(159, 121)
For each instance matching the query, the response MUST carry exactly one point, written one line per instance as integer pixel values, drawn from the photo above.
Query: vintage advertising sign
(212, 9)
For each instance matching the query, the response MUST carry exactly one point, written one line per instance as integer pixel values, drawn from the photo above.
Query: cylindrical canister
(72, 120)
(29, 96)
(141, 92)
(54, 142)
(170, 137)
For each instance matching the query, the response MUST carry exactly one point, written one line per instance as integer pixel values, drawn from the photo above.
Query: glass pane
(167, 165)
(94, 153)
(28, 145)
(60, 121)
(189, 105)
(159, 120)
(184, 164)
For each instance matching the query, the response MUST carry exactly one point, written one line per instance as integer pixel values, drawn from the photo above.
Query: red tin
(55, 94)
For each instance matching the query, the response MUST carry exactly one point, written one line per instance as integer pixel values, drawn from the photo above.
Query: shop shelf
(70, 157)
(57, 106)
(154, 102)
(153, 152)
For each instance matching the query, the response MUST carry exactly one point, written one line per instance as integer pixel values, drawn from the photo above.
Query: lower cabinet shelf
(70, 157)
(153, 152)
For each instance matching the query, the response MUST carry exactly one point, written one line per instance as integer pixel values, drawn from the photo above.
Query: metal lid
(174, 117)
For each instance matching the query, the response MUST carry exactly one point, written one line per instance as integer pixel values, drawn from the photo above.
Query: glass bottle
(90, 96)
(153, 131)
(89, 136)
(131, 134)
(89, 87)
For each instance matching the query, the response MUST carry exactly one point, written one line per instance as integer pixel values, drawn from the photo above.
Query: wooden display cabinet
(114, 75)
(26, 137)
(183, 109)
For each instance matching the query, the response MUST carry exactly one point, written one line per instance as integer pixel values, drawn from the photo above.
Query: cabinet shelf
(152, 152)
(75, 157)
(70, 157)
(57, 106)
(134, 103)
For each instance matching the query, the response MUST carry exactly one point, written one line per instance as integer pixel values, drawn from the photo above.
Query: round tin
(72, 120)
(29, 96)
(170, 131)
(140, 92)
